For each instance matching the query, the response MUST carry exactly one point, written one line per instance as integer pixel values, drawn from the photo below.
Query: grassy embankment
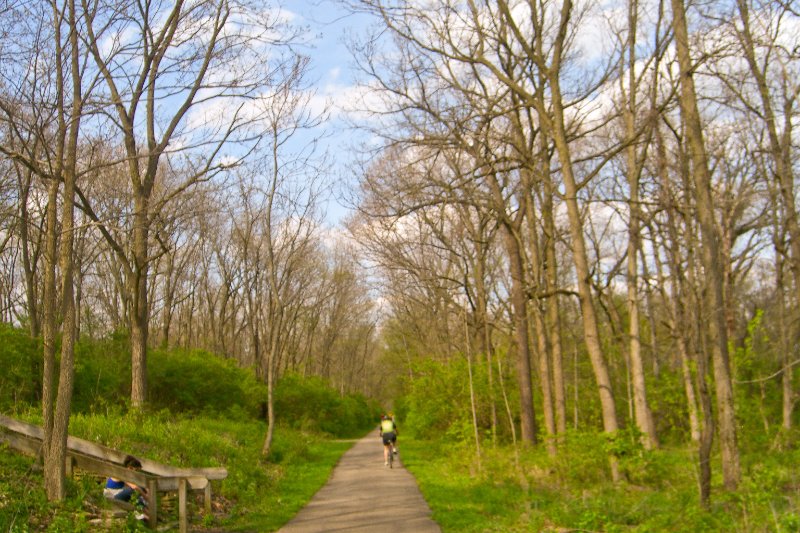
(203, 411)
(259, 494)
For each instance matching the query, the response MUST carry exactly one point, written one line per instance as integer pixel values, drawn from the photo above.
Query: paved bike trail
(364, 495)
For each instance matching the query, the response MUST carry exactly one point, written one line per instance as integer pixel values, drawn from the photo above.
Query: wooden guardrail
(92, 457)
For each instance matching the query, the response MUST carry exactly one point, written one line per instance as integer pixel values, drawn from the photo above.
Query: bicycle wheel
(391, 458)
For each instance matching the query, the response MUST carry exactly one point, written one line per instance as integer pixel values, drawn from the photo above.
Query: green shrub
(311, 404)
(197, 381)
(21, 360)
(434, 402)
(437, 401)
(181, 381)
(667, 397)
(102, 374)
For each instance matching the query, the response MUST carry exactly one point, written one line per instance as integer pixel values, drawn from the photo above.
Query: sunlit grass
(258, 495)
(564, 496)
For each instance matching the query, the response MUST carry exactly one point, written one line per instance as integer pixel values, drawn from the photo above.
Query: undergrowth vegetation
(574, 493)
(203, 411)
(507, 488)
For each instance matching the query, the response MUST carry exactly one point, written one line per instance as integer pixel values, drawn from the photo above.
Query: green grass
(568, 493)
(258, 495)
(461, 501)
(557, 495)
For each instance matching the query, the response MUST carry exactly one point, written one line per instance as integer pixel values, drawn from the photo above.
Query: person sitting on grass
(117, 489)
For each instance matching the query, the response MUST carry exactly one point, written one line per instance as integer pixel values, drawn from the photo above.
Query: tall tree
(555, 123)
(632, 82)
(45, 117)
(160, 63)
(290, 177)
(710, 251)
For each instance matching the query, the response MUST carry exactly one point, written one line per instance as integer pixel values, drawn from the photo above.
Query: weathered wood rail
(91, 457)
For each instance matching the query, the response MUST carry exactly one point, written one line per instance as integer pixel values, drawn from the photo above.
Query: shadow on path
(364, 495)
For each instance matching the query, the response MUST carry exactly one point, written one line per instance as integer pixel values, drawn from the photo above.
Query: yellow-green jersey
(388, 426)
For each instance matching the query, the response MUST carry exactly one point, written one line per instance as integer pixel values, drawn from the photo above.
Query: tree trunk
(519, 306)
(553, 124)
(545, 380)
(552, 315)
(54, 463)
(169, 300)
(28, 263)
(707, 430)
(49, 316)
(677, 306)
(55, 451)
(482, 324)
(643, 415)
(787, 387)
(588, 313)
(273, 348)
(140, 310)
(710, 252)
(651, 317)
(472, 401)
(688, 387)
(543, 351)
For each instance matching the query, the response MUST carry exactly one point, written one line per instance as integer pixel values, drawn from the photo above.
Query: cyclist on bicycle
(388, 432)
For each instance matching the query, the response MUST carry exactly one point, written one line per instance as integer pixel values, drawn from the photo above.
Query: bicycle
(389, 451)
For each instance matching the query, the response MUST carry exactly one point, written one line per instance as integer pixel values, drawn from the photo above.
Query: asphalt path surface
(364, 495)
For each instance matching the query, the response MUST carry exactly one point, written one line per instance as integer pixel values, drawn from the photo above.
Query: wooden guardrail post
(152, 502)
(184, 522)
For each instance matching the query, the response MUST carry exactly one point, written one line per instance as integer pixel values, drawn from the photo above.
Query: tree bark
(554, 125)
(55, 451)
(29, 257)
(543, 347)
(140, 309)
(528, 430)
(553, 314)
(49, 316)
(710, 252)
(643, 415)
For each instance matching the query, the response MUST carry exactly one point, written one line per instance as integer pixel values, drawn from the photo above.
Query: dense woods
(570, 217)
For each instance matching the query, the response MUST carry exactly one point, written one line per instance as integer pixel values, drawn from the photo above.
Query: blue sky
(332, 70)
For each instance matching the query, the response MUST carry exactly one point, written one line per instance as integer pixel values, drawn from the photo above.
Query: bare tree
(764, 90)
(44, 116)
(710, 251)
(445, 103)
(178, 85)
(638, 75)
